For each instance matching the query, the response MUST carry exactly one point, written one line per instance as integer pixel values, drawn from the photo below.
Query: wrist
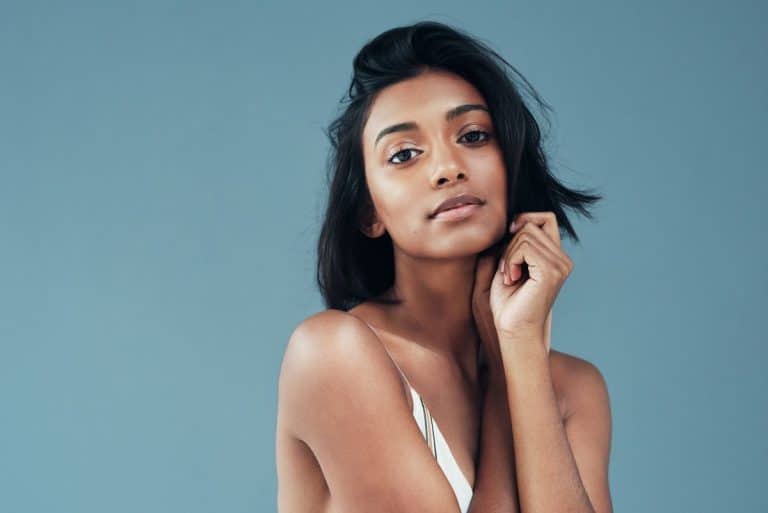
(522, 348)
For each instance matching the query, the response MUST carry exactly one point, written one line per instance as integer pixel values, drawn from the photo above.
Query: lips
(457, 201)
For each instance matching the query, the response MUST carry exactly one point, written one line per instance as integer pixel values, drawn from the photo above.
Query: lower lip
(458, 213)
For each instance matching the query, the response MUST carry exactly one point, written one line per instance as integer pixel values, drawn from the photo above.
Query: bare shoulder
(588, 424)
(317, 350)
(322, 324)
(340, 393)
(572, 365)
(577, 380)
(328, 338)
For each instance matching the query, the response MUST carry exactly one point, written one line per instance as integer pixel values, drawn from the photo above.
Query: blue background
(161, 187)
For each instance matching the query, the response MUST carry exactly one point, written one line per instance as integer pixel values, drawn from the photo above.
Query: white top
(442, 452)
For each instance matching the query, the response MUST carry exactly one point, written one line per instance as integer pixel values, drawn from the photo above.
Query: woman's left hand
(521, 299)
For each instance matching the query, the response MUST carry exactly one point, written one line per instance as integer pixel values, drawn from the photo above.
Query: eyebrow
(411, 125)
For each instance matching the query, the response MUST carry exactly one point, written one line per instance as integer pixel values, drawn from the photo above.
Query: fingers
(546, 220)
(553, 250)
(540, 231)
(543, 228)
(528, 249)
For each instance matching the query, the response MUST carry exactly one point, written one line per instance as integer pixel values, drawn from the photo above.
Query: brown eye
(474, 134)
(402, 153)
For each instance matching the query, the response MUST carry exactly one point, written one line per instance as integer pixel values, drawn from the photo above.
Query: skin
(346, 437)
(550, 444)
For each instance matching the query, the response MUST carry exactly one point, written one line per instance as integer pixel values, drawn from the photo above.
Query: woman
(429, 384)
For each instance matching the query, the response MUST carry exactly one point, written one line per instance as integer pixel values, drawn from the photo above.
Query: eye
(474, 134)
(401, 153)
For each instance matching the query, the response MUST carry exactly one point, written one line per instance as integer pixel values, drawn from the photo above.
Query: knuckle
(553, 217)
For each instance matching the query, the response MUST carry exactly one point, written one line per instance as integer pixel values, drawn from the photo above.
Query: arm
(560, 466)
(495, 484)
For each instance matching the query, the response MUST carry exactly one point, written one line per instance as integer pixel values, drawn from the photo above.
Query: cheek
(497, 183)
(489, 164)
(408, 218)
(488, 167)
(499, 177)
(403, 215)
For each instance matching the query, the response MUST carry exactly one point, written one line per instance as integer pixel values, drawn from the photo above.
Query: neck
(435, 307)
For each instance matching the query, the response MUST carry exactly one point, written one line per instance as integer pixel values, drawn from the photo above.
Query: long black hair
(352, 267)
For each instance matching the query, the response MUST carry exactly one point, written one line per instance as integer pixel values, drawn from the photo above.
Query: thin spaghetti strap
(388, 353)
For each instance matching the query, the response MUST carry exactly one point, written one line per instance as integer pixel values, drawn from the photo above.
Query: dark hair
(353, 267)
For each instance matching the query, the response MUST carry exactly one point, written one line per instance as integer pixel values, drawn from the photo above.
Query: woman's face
(410, 170)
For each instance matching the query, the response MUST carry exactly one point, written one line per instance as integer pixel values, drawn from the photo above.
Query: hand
(530, 274)
(485, 269)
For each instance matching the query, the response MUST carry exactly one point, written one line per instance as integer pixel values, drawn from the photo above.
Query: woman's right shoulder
(329, 332)
(340, 394)
(331, 349)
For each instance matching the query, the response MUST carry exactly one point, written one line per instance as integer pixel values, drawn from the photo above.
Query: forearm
(547, 476)
(495, 488)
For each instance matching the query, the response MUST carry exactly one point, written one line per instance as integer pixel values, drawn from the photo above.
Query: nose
(446, 167)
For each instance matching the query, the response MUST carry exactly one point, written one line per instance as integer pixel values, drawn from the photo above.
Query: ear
(372, 226)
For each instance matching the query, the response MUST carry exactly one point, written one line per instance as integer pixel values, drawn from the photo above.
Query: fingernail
(512, 227)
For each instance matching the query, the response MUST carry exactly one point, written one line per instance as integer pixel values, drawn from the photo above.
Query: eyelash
(487, 138)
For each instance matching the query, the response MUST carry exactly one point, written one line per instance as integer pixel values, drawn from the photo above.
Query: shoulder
(329, 338)
(574, 367)
(324, 323)
(579, 382)
(588, 425)
(340, 394)
(327, 354)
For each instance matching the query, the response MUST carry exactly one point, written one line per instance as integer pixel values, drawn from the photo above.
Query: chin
(466, 242)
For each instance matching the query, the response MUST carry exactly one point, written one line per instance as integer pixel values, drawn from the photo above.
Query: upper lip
(461, 199)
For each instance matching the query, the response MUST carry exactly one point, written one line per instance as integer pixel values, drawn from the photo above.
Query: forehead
(424, 98)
